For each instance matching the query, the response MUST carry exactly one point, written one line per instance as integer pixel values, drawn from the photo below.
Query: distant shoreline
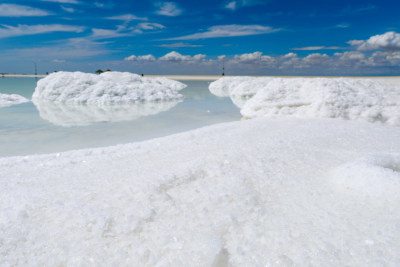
(212, 77)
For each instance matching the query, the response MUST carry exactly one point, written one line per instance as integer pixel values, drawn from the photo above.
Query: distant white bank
(106, 88)
(7, 100)
(345, 98)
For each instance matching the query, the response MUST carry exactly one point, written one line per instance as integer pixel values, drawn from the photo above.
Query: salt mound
(106, 88)
(7, 100)
(345, 98)
(239, 89)
(78, 115)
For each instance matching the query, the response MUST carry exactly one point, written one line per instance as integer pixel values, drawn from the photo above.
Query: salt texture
(106, 88)
(7, 100)
(261, 192)
(345, 98)
(78, 115)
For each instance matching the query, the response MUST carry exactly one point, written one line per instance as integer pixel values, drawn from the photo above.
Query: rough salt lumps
(345, 98)
(106, 88)
(7, 100)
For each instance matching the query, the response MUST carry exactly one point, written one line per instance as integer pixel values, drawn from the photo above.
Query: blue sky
(270, 37)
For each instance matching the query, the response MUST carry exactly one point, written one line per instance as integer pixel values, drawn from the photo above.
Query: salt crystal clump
(345, 98)
(79, 115)
(106, 88)
(7, 100)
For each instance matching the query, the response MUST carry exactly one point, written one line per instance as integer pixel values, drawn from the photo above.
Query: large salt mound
(345, 98)
(7, 100)
(106, 88)
(78, 115)
(261, 192)
(239, 89)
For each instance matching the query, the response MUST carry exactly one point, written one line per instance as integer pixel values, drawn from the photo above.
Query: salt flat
(270, 191)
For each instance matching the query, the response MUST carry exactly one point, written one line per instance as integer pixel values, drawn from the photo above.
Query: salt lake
(45, 128)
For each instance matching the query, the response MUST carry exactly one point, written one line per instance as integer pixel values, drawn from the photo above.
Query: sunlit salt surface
(46, 126)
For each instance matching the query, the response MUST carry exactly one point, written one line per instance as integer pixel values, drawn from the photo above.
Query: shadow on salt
(68, 115)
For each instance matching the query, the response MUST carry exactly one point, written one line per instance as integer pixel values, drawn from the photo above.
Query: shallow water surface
(35, 128)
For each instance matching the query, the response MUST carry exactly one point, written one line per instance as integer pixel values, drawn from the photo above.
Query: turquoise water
(45, 128)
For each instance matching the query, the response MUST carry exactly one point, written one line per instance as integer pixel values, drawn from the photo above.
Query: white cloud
(228, 31)
(231, 5)
(222, 58)
(177, 57)
(255, 57)
(389, 41)
(150, 26)
(59, 61)
(123, 30)
(170, 9)
(148, 58)
(178, 45)
(68, 9)
(11, 10)
(63, 1)
(21, 30)
(105, 34)
(310, 48)
(126, 17)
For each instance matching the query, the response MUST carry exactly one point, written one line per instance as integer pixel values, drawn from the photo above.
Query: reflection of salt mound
(352, 99)
(9, 100)
(106, 88)
(240, 89)
(75, 115)
(374, 177)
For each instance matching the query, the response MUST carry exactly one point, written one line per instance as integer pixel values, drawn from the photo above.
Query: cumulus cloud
(228, 31)
(252, 58)
(21, 30)
(389, 41)
(170, 9)
(178, 45)
(177, 57)
(346, 63)
(147, 58)
(12, 10)
(126, 17)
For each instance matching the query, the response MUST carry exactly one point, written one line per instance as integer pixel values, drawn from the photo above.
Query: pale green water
(24, 131)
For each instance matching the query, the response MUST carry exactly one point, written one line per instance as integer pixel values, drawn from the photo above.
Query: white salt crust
(261, 192)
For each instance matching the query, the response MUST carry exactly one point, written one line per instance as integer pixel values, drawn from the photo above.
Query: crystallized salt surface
(106, 88)
(78, 115)
(345, 98)
(261, 192)
(7, 100)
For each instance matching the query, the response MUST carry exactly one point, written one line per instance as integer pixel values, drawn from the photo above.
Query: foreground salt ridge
(7, 100)
(258, 192)
(106, 88)
(345, 98)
